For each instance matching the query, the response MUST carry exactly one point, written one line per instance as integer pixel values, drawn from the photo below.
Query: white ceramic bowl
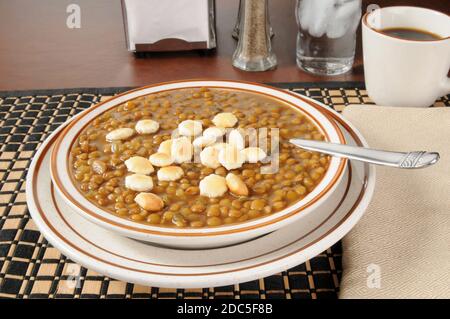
(327, 192)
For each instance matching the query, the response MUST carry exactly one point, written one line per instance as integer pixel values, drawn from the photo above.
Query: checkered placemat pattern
(31, 268)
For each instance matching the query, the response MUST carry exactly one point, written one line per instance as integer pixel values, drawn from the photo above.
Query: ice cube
(322, 10)
(356, 21)
(305, 13)
(348, 8)
(343, 19)
(337, 28)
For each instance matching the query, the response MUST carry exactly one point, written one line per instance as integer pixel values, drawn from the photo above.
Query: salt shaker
(254, 48)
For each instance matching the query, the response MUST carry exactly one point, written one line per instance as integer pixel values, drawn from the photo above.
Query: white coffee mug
(401, 72)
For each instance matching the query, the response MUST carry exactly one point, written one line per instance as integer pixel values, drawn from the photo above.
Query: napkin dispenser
(174, 25)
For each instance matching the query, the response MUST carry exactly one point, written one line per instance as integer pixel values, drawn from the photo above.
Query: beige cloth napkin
(401, 246)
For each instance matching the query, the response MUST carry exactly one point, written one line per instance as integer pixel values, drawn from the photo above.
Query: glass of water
(326, 40)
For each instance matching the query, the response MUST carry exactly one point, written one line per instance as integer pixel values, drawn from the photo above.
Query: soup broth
(122, 141)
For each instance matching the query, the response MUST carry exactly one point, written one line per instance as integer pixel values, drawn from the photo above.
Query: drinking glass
(326, 39)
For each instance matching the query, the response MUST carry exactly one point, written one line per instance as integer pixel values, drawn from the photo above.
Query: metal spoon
(419, 159)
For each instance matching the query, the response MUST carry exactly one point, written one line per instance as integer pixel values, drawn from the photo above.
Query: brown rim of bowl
(351, 210)
(344, 196)
(366, 15)
(164, 230)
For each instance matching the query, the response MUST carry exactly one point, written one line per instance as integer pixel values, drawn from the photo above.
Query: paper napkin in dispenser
(174, 25)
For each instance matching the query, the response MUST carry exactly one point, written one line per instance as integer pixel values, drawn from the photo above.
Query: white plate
(129, 260)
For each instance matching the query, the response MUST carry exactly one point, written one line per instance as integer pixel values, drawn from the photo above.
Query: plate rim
(289, 260)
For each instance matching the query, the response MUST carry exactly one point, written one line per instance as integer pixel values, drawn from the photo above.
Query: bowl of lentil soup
(182, 164)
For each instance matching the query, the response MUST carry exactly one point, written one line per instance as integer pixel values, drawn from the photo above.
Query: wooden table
(38, 51)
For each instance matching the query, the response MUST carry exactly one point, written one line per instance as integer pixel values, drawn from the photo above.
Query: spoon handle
(408, 160)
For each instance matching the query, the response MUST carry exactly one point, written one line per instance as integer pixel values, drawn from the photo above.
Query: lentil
(99, 171)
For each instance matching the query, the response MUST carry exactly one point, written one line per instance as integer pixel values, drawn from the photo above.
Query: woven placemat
(31, 268)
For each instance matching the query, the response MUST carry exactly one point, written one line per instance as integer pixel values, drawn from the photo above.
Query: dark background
(38, 51)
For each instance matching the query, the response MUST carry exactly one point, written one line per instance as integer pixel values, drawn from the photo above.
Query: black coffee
(411, 34)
